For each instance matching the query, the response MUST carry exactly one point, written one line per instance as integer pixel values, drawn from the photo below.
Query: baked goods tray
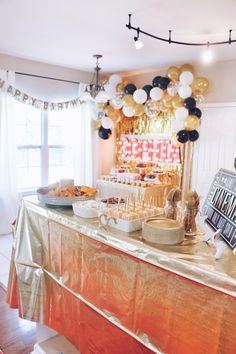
(126, 225)
(43, 197)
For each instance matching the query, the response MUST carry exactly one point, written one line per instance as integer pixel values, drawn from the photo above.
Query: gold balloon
(187, 67)
(167, 100)
(102, 105)
(120, 87)
(173, 73)
(169, 110)
(126, 82)
(95, 124)
(175, 142)
(200, 84)
(191, 123)
(138, 110)
(129, 101)
(109, 111)
(116, 115)
(177, 102)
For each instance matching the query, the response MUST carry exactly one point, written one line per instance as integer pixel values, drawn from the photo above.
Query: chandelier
(95, 90)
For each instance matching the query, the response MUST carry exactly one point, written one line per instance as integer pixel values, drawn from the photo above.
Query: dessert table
(109, 292)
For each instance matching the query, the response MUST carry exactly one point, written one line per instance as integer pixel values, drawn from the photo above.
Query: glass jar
(189, 221)
(173, 210)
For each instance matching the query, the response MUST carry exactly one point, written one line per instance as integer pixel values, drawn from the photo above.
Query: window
(44, 151)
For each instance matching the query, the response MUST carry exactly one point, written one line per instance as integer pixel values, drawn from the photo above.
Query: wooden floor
(17, 336)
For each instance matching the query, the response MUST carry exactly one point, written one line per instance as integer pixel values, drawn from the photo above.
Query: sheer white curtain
(83, 147)
(8, 172)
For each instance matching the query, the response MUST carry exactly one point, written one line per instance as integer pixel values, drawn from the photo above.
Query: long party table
(108, 292)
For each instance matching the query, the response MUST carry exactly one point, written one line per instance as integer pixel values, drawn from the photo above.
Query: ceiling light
(207, 55)
(170, 40)
(95, 90)
(138, 44)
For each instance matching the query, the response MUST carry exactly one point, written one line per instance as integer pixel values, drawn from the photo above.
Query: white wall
(44, 89)
(216, 147)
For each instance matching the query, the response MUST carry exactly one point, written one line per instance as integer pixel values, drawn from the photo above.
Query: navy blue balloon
(189, 103)
(104, 133)
(156, 81)
(193, 135)
(130, 88)
(147, 89)
(163, 83)
(108, 131)
(195, 112)
(182, 136)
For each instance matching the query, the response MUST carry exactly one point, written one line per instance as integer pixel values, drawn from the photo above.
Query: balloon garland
(178, 93)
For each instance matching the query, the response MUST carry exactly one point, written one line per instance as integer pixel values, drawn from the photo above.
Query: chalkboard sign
(220, 206)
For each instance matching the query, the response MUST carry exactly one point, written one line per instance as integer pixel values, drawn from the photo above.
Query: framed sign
(220, 206)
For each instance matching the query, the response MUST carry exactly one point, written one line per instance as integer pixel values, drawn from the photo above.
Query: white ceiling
(69, 32)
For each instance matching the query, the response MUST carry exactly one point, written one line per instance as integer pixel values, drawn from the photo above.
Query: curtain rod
(48, 78)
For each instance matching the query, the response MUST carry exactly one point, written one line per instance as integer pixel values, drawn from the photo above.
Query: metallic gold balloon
(115, 115)
(175, 142)
(177, 102)
(173, 73)
(95, 124)
(110, 111)
(167, 100)
(126, 82)
(138, 110)
(187, 67)
(191, 123)
(129, 101)
(102, 105)
(120, 87)
(200, 84)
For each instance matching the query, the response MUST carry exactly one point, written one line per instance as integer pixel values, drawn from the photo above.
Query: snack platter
(64, 196)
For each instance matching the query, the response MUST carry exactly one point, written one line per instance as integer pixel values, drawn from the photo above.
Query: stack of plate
(163, 231)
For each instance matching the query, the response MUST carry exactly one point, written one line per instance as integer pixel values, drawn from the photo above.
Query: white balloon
(172, 88)
(110, 89)
(176, 125)
(156, 93)
(184, 91)
(140, 96)
(116, 102)
(181, 113)
(106, 122)
(128, 111)
(186, 78)
(115, 79)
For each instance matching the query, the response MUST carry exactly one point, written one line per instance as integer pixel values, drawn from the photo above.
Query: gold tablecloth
(108, 292)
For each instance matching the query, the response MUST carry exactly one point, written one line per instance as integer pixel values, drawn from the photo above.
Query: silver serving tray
(43, 197)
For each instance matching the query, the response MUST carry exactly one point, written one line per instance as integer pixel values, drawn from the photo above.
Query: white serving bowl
(88, 209)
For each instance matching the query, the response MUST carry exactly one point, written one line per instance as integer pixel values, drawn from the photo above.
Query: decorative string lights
(207, 55)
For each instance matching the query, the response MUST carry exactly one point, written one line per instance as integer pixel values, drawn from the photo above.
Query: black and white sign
(220, 206)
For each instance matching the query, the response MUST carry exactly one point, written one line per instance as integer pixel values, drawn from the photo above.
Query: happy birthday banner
(37, 103)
